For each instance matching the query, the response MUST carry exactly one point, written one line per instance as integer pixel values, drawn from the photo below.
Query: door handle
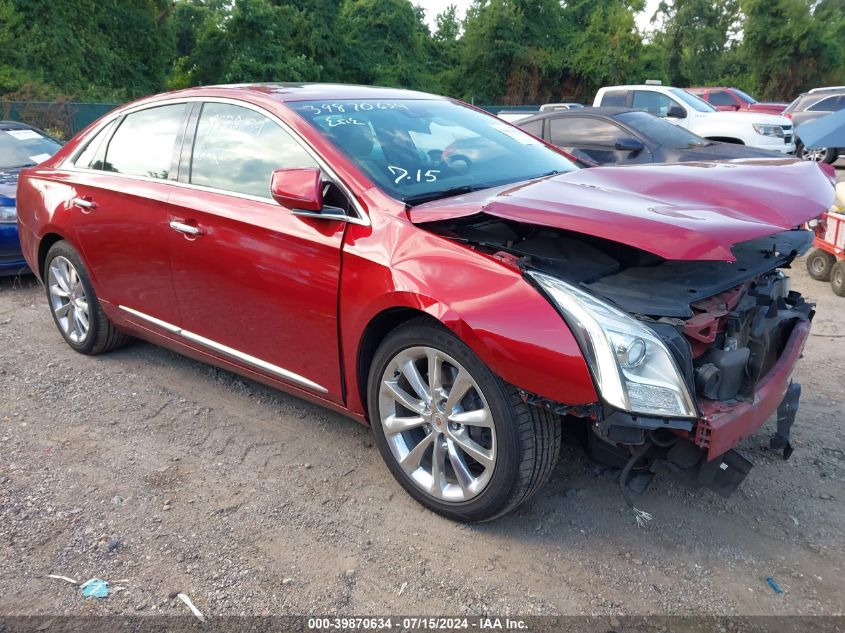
(82, 203)
(187, 229)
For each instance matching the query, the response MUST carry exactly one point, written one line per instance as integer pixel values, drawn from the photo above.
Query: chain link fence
(61, 119)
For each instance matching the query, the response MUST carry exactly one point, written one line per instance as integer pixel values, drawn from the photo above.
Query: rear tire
(517, 445)
(837, 278)
(819, 264)
(74, 305)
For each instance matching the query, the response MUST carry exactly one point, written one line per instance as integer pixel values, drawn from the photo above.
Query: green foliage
(503, 51)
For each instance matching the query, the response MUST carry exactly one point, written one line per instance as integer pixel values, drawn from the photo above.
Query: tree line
(501, 52)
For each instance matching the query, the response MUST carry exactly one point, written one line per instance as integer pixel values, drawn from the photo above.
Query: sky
(433, 7)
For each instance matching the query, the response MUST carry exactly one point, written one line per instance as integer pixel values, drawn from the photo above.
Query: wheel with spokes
(74, 304)
(459, 439)
(817, 154)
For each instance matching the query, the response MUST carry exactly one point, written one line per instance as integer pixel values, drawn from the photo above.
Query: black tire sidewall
(838, 272)
(828, 259)
(63, 249)
(508, 446)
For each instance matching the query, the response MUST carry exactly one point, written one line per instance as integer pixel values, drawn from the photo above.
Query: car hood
(9, 182)
(749, 117)
(689, 211)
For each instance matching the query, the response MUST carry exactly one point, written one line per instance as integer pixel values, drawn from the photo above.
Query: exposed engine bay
(725, 323)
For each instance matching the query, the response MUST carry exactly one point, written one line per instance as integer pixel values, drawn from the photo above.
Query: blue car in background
(20, 146)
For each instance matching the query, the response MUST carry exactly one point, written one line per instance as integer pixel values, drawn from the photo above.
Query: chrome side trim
(229, 351)
(162, 324)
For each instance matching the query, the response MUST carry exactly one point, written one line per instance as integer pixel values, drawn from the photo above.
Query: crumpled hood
(688, 211)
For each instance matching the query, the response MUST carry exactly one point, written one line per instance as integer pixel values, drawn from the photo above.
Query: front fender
(486, 303)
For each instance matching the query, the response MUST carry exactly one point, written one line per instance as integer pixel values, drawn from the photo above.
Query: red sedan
(439, 274)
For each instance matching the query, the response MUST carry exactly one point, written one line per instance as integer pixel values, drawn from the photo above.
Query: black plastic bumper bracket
(786, 418)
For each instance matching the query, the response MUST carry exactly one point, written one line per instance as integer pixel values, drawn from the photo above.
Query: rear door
(255, 283)
(121, 184)
(593, 137)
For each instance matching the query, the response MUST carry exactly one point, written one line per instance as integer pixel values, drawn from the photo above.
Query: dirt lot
(175, 476)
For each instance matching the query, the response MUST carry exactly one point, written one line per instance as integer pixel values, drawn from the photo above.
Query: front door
(255, 284)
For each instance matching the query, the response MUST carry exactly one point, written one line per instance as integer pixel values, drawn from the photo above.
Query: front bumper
(783, 148)
(723, 425)
(12, 261)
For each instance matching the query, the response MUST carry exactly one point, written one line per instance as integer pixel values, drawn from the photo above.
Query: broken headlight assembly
(632, 368)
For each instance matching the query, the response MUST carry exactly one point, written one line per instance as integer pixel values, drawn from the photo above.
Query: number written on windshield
(401, 175)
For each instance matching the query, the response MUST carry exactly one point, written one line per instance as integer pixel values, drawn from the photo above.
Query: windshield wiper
(420, 198)
(20, 166)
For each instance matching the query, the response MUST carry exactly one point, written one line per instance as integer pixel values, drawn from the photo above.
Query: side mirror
(676, 112)
(735, 107)
(629, 144)
(298, 189)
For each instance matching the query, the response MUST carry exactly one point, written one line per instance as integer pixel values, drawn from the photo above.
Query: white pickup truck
(766, 131)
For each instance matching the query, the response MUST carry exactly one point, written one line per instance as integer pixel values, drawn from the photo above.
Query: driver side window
(652, 102)
(237, 149)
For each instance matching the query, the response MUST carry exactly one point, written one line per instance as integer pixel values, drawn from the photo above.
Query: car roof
(608, 111)
(304, 91)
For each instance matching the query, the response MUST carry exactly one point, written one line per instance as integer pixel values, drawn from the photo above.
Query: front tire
(74, 305)
(459, 440)
(837, 278)
(819, 264)
(818, 155)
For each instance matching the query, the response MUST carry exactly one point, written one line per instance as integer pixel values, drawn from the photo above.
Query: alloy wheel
(68, 299)
(816, 155)
(437, 424)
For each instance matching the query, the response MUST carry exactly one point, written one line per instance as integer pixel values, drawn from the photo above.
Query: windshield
(739, 93)
(421, 150)
(696, 103)
(661, 131)
(24, 148)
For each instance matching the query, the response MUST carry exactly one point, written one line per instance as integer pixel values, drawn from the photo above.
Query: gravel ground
(161, 475)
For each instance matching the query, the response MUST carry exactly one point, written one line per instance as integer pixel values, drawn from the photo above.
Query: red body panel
(683, 211)
(740, 104)
(299, 293)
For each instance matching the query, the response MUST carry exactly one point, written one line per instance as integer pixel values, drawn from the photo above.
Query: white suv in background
(766, 131)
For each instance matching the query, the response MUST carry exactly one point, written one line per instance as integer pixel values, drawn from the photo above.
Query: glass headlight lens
(632, 367)
(768, 130)
(8, 215)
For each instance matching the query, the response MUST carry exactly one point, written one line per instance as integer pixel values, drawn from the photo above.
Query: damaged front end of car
(689, 357)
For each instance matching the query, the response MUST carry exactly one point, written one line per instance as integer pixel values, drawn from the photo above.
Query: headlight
(8, 215)
(633, 369)
(768, 130)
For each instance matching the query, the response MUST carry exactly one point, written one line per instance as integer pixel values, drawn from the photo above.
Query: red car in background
(735, 99)
(438, 274)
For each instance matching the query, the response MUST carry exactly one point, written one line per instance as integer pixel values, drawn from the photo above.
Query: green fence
(63, 119)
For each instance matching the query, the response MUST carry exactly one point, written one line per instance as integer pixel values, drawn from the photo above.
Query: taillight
(829, 171)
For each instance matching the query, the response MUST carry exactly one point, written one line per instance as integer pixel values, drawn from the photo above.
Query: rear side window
(94, 153)
(614, 98)
(143, 144)
(721, 98)
(237, 149)
(578, 130)
(533, 127)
